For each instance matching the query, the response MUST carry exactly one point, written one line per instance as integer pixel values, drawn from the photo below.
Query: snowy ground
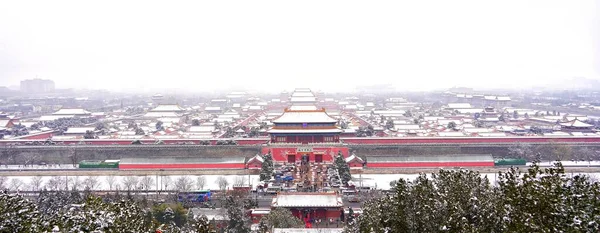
(382, 181)
(25, 183)
(38, 167)
(571, 163)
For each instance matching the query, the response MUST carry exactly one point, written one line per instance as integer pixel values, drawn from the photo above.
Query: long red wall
(430, 164)
(244, 141)
(183, 166)
(482, 140)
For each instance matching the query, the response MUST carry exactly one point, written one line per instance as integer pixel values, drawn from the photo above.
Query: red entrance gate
(318, 158)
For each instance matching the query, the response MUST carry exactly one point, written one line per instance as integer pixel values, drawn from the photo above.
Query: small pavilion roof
(576, 124)
(307, 200)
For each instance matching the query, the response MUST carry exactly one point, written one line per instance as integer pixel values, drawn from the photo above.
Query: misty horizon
(274, 46)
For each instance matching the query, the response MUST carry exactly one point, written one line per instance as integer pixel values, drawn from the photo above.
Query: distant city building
(37, 86)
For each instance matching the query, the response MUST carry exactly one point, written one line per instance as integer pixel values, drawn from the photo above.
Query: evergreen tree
(266, 169)
(540, 200)
(342, 168)
(281, 218)
(238, 220)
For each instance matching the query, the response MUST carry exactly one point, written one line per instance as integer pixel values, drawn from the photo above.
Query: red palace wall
(182, 166)
(466, 140)
(430, 164)
(41, 138)
(355, 164)
(38, 136)
(254, 165)
(280, 153)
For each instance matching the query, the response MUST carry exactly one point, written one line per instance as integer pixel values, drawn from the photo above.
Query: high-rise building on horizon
(37, 86)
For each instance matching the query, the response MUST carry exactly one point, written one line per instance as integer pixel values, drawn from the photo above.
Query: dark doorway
(291, 158)
(318, 158)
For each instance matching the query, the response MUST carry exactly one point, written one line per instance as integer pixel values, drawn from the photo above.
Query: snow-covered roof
(477, 130)
(168, 108)
(407, 127)
(71, 111)
(503, 98)
(576, 123)
(212, 109)
(4, 123)
(459, 105)
(256, 157)
(307, 200)
(161, 114)
(318, 116)
(303, 99)
(170, 119)
(493, 134)
(451, 134)
(202, 128)
(79, 130)
(389, 112)
(217, 214)
(469, 110)
(303, 107)
(571, 117)
(354, 157)
(305, 131)
(303, 94)
(302, 89)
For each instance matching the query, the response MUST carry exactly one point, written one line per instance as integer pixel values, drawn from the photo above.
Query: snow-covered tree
(199, 224)
(200, 182)
(240, 181)
(147, 182)
(540, 200)
(15, 184)
(222, 182)
(56, 183)
(282, 218)
(238, 220)
(184, 183)
(3, 182)
(130, 182)
(110, 180)
(520, 151)
(343, 168)
(91, 183)
(36, 183)
(266, 169)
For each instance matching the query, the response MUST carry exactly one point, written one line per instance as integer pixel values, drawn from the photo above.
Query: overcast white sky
(328, 45)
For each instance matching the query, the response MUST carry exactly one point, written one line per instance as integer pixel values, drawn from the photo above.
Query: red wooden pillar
(312, 138)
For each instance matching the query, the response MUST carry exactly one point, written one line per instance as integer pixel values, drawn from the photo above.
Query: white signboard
(304, 149)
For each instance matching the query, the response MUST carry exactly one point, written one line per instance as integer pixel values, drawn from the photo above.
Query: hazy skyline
(326, 45)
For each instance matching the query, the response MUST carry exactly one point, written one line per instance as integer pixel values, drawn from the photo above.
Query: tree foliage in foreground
(539, 200)
(71, 212)
(279, 218)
